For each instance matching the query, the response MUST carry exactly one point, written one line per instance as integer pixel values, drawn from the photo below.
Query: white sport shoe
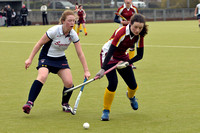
(66, 108)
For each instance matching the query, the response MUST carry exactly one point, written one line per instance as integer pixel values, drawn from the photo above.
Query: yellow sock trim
(78, 29)
(85, 30)
(131, 54)
(108, 98)
(131, 93)
(74, 27)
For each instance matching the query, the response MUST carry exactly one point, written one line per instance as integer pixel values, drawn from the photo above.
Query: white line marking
(93, 44)
(15, 42)
(159, 46)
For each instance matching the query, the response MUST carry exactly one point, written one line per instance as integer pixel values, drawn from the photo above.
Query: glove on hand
(122, 65)
(100, 73)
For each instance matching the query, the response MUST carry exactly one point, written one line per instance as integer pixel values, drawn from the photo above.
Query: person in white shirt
(13, 17)
(197, 12)
(43, 9)
(52, 59)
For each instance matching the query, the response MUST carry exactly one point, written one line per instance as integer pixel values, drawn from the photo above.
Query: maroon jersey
(127, 13)
(121, 39)
(81, 14)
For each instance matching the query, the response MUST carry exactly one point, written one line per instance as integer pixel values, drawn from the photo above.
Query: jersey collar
(128, 31)
(127, 7)
(61, 31)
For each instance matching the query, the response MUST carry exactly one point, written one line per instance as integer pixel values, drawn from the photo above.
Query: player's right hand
(100, 74)
(27, 63)
(123, 65)
(125, 22)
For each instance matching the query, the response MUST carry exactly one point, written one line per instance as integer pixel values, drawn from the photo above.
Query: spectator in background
(9, 16)
(2, 17)
(13, 17)
(43, 9)
(24, 14)
(197, 12)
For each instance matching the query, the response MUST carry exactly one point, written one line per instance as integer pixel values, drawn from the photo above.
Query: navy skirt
(54, 64)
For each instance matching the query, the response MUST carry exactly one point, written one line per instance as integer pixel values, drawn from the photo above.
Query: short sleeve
(51, 33)
(74, 36)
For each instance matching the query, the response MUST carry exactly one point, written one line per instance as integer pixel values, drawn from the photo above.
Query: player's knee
(68, 84)
(42, 78)
(133, 87)
(112, 87)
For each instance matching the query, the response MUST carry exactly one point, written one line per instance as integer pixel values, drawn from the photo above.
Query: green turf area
(168, 79)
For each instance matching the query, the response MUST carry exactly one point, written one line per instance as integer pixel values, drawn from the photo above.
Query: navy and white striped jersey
(58, 42)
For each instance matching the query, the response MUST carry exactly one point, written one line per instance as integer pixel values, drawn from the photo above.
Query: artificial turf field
(168, 77)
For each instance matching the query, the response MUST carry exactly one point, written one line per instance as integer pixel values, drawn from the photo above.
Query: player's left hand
(87, 75)
(100, 74)
(27, 63)
(123, 65)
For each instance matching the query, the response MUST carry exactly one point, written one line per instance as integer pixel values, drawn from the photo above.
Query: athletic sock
(108, 98)
(85, 30)
(65, 98)
(131, 53)
(74, 26)
(78, 29)
(131, 93)
(35, 90)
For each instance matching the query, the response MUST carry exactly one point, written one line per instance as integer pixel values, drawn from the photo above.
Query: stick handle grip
(107, 71)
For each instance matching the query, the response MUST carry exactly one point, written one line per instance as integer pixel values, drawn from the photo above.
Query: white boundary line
(15, 42)
(92, 44)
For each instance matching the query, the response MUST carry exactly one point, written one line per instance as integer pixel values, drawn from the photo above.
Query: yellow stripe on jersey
(138, 42)
(136, 10)
(120, 10)
(122, 37)
(118, 30)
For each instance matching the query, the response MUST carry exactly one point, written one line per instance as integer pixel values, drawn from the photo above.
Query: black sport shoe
(66, 108)
(27, 107)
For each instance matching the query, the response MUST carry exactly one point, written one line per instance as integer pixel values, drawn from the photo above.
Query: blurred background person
(9, 16)
(75, 11)
(43, 9)
(197, 12)
(13, 17)
(24, 14)
(81, 20)
(2, 17)
(126, 11)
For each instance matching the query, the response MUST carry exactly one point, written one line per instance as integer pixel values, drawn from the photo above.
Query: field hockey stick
(121, 16)
(78, 98)
(91, 80)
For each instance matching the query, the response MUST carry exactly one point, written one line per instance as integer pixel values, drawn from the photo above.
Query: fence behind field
(102, 16)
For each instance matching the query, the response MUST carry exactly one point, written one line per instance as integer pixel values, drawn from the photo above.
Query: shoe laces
(30, 103)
